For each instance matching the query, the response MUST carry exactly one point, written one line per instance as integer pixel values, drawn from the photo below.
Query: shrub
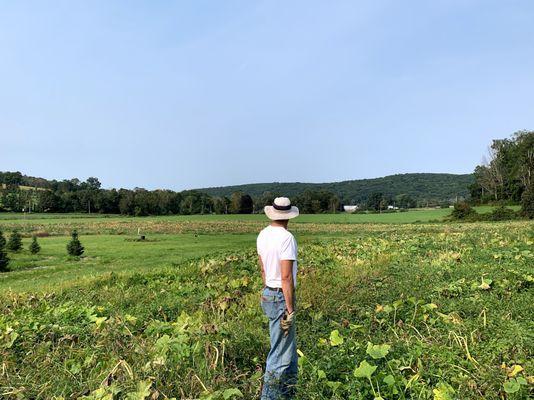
(501, 214)
(74, 247)
(4, 260)
(15, 241)
(34, 246)
(527, 202)
(463, 211)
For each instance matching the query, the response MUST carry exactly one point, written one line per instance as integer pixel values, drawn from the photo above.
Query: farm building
(351, 208)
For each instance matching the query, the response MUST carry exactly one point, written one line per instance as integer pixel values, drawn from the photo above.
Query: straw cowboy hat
(281, 209)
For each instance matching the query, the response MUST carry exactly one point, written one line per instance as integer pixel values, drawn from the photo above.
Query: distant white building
(350, 209)
(390, 207)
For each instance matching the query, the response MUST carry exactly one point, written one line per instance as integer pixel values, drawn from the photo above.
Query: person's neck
(281, 224)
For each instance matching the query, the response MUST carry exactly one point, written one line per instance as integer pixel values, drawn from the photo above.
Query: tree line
(21, 193)
(507, 173)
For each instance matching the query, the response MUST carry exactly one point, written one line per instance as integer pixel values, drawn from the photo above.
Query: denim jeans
(282, 362)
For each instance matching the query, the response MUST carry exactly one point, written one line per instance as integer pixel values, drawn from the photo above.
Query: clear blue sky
(177, 94)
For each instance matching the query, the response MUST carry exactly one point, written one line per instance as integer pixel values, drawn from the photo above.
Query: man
(277, 250)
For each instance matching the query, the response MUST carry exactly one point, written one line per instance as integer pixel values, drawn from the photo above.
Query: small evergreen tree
(15, 241)
(4, 260)
(34, 246)
(74, 247)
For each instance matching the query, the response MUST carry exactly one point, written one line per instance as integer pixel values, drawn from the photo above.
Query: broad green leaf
(142, 392)
(389, 380)
(98, 320)
(443, 391)
(333, 385)
(335, 338)
(377, 351)
(521, 380)
(511, 386)
(230, 393)
(12, 337)
(130, 318)
(429, 306)
(365, 370)
(321, 374)
(99, 394)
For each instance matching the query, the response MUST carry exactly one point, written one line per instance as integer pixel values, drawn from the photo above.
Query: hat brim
(274, 214)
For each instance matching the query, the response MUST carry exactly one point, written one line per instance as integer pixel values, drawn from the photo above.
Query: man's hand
(287, 321)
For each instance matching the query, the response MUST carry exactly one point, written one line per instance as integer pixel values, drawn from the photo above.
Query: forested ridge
(422, 187)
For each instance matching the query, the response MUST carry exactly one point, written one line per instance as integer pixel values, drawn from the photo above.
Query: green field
(423, 215)
(35, 221)
(448, 306)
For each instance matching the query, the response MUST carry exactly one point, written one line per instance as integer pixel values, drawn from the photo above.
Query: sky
(190, 94)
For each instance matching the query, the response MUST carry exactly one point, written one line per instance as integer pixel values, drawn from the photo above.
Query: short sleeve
(258, 245)
(289, 249)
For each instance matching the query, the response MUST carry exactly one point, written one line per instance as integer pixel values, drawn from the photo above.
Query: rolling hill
(420, 186)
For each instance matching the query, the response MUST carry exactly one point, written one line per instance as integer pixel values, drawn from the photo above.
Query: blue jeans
(282, 362)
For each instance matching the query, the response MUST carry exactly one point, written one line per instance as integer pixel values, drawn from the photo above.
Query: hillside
(420, 186)
(17, 193)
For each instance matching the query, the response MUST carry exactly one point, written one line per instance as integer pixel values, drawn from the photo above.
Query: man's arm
(288, 286)
(262, 270)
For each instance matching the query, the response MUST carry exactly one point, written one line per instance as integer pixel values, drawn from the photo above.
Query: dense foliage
(421, 311)
(424, 189)
(527, 202)
(508, 171)
(88, 196)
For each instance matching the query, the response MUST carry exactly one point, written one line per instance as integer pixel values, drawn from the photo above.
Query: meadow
(387, 309)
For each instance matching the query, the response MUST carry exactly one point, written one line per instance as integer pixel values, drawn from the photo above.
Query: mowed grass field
(386, 310)
(414, 215)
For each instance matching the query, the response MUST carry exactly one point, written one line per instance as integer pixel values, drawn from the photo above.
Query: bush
(463, 211)
(15, 241)
(4, 260)
(501, 214)
(34, 246)
(74, 247)
(527, 202)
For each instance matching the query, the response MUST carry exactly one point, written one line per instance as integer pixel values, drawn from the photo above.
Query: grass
(447, 306)
(53, 269)
(421, 215)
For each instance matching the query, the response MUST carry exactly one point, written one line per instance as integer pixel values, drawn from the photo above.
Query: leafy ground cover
(63, 224)
(387, 312)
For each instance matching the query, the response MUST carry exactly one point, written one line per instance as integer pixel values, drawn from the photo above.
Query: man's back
(275, 243)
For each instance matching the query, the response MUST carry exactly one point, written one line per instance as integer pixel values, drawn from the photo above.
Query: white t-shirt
(275, 244)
